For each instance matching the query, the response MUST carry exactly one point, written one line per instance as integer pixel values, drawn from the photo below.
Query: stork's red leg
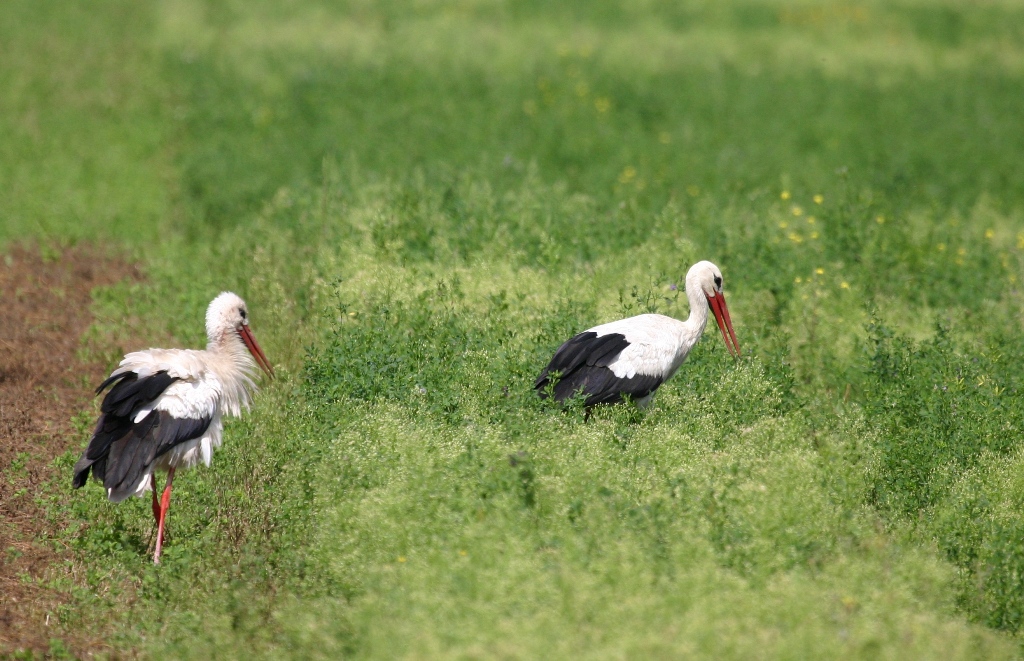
(165, 502)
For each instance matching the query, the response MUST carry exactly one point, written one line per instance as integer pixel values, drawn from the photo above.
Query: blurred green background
(420, 200)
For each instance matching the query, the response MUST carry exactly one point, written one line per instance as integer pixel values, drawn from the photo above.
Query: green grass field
(421, 200)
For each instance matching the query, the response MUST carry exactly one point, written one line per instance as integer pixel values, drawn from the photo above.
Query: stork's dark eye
(243, 313)
(718, 281)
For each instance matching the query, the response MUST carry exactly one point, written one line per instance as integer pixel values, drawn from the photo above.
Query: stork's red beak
(718, 306)
(254, 349)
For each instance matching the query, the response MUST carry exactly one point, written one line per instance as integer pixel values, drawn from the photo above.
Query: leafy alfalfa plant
(573, 407)
(649, 300)
(394, 349)
(937, 408)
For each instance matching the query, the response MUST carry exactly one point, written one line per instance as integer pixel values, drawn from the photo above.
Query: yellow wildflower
(941, 247)
(989, 233)
(784, 195)
(818, 199)
(880, 219)
(602, 104)
(401, 558)
(819, 271)
(798, 280)
(798, 211)
(814, 235)
(961, 251)
(844, 284)
(783, 225)
(795, 237)
(811, 220)
(628, 174)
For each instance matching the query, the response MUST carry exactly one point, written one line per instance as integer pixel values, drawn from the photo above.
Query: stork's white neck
(235, 368)
(698, 319)
(225, 341)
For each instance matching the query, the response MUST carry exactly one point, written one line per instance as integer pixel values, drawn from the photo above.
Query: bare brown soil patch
(44, 311)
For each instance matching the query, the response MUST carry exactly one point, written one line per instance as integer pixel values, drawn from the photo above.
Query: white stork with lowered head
(165, 406)
(632, 357)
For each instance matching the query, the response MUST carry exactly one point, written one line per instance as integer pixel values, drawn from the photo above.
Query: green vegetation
(420, 201)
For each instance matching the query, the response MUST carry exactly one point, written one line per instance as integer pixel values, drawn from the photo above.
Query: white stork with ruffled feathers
(165, 407)
(632, 357)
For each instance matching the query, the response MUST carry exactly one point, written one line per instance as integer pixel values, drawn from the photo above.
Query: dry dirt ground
(44, 310)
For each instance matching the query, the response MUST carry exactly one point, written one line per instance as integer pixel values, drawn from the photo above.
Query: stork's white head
(707, 276)
(228, 317)
(704, 277)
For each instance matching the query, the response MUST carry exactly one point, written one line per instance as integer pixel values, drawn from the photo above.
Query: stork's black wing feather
(601, 386)
(130, 393)
(126, 398)
(128, 454)
(582, 363)
(131, 457)
(122, 451)
(583, 349)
